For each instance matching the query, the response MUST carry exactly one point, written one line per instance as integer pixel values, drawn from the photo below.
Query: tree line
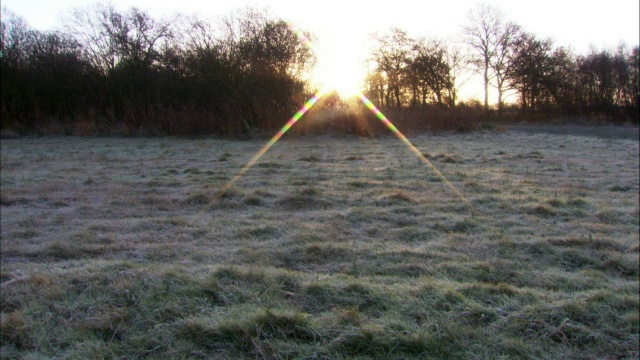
(110, 71)
(130, 73)
(408, 72)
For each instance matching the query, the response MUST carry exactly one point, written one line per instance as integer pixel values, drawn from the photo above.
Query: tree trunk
(453, 96)
(486, 84)
(500, 100)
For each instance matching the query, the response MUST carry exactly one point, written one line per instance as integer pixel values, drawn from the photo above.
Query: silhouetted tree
(502, 61)
(125, 47)
(429, 65)
(483, 33)
(632, 87)
(531, 61)
(392, 58)
(273, 60)
(43, 75)
(14, 45)
(609, 82)
(408, 71)
(458, 63)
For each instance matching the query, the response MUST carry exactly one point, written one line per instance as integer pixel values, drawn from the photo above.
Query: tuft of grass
(481, 290)
(351, 316)
(321, 297)
(542, 211)
(330, 257)
(253, 201)
(375, 341)
(396, 198)
(197, 199)
(247, 334)
(305, 199)
(259, 232)
(64, 250)
(477, 315)
(358, 184)
(14, 329)
(191, 170)
(309, 159)
(588, 242)
(619, 188)
(225, 157)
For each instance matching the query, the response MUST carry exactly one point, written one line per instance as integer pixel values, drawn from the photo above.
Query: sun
(343, 82)
(340, 71)
(340, 66)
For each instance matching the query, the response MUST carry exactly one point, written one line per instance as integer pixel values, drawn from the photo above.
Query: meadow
(330, 247)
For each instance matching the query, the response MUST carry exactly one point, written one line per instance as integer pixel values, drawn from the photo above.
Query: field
(330, 247)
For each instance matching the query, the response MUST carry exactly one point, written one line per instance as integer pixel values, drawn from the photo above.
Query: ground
(329, 247)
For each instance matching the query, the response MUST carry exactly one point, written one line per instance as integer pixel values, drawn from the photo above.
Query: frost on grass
(329, 247)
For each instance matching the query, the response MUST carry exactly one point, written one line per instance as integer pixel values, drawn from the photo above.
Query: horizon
(345, 41)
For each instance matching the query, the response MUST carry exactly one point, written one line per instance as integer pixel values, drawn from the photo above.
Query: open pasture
(330, 247)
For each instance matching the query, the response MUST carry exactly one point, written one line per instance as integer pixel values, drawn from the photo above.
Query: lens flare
(308, 105)
(335, 69)
(412, 147)
(305, 39)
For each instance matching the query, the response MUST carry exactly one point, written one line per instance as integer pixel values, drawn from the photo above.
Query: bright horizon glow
(343, 77)
(350, 90)
(342, 28)
(337, 68)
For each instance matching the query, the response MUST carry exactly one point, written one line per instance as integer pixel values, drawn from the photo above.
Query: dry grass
(330, 247)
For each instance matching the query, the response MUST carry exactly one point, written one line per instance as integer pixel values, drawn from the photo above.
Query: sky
(343, 27)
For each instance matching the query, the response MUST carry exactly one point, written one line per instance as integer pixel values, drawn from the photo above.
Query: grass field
(330, 247)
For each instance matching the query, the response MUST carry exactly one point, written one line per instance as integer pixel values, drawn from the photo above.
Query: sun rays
(308, 105)
(413, 149)
(337, 80)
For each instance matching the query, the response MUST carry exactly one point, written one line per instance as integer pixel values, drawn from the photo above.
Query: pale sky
(343, 27)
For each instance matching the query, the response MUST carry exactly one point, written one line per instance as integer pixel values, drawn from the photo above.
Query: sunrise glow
(339, 74)
(339, 68)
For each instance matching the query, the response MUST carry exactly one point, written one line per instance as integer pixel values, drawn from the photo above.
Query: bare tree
(458, 64)
(544, 78)
(502, 61)
(15, 39)
(432, 70)
(482, 33)
(409, 71)
(109, 37)
(632, 88)
(96, 29)
(391, 58)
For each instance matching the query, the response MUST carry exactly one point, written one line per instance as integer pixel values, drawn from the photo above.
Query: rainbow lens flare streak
(305, 39)
(393, 128)
(415, 150)
(308, 105)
